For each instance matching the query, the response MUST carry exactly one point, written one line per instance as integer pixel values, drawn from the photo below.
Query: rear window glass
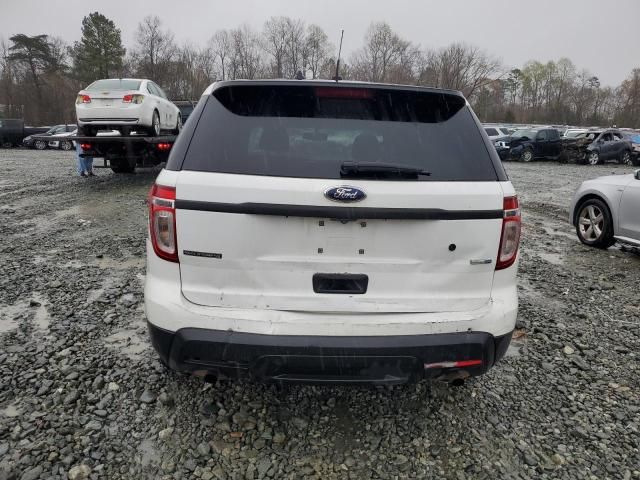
(114, 84)
(313, 132)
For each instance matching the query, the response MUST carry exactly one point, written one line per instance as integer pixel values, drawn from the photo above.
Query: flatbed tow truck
(123, 154)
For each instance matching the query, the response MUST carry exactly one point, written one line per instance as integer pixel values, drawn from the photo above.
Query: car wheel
(66, 146)
(154, 131)
(593, 158)
(526, 156)
(594, 225)
(625, 158)
(40, 145)
(176, 130)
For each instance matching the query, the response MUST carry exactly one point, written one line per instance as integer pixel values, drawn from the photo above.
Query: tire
(66, 146)
(176, 130)
(625, 158)
(122, 166)
(594, 225)
(40, 145)
(155, 129)
(563, 157)
(593, 158)
(526, 155)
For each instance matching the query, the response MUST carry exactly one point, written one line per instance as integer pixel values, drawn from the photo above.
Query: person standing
(84, 164)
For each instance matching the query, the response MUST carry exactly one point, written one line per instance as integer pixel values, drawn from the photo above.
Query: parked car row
(36, 141)
(580, 145)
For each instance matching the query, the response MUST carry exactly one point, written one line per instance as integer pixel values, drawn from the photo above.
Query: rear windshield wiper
(374, 169)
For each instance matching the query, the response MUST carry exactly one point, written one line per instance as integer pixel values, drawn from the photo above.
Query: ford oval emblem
(345, 194)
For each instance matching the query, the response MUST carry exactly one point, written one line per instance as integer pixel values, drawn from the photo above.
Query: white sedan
(126, 105)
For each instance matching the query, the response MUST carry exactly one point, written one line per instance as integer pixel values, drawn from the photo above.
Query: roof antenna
(338, 77)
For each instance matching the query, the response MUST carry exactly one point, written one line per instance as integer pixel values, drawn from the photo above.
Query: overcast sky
(602, 36)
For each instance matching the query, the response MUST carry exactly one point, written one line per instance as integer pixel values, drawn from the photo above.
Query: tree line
(40, 75)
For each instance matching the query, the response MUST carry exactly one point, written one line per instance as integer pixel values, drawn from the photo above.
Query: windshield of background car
(310, 131)
(114, 84)
(531, 134)
(186, 110)
(588, 135)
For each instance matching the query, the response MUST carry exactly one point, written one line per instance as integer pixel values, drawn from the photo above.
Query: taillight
(510, 238)
(163, 147)
(131, 98)
(83, 99)
(162, 222)
(85, 146)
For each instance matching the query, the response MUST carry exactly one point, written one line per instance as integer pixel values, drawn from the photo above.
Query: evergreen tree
(99, 53)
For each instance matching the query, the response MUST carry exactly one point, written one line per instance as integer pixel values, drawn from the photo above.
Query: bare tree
(460, 67)
(316, 49)
(221, 49)
(245, 61)
(274, 43)
(294, 46)
(155, 49)
(382, 52)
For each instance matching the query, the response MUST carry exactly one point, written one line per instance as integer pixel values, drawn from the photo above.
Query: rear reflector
(510, 237)
(163, 147)
(459, 364)
(162, 222)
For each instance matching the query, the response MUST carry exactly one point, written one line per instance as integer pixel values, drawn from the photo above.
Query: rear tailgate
(255, 224)
(258, 260)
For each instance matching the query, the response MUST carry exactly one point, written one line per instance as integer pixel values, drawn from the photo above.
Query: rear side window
(492, 132)
(311, 131)
(114, 84)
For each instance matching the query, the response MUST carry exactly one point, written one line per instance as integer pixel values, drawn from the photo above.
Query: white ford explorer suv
(309, 231)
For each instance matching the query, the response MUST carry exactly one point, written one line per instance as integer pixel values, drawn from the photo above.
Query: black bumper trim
(325, 359)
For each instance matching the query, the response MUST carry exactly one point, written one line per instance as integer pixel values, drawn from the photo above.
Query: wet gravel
(83, 396)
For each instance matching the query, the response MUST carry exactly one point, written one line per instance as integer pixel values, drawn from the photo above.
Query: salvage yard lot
(79, 383)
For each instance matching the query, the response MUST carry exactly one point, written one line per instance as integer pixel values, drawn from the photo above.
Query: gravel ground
(83, 396)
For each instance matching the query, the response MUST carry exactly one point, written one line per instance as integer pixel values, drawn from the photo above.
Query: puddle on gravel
(128, 342)
(560, 233)
(11, 411)
(149, 455)
(113, 264)
(514, 350)
(11, 315)
(553, 258)
(42, 318)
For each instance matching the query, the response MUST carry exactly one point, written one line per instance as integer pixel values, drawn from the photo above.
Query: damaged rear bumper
(329, 359)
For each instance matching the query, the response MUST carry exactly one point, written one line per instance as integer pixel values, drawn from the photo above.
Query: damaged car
(595, 147)
(528, 144)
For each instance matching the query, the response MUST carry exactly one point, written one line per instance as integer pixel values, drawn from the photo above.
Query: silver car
(607, 209)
